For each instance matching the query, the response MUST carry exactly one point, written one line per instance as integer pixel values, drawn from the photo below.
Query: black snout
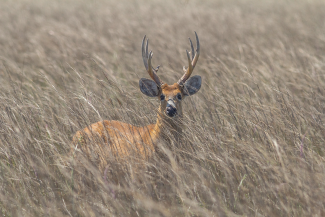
(171, 111)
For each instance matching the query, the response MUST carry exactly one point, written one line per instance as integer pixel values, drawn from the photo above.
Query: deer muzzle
(171, 109)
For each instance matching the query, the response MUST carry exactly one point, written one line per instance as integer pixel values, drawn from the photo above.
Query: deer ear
(148, 87)
(192, 85)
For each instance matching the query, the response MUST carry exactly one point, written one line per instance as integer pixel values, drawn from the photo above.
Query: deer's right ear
(148, 87)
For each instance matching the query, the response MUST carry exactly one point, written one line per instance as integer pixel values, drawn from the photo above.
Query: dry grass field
(254, 135)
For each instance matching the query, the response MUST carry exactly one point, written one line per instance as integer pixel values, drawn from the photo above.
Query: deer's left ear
(192, 85)
(148, 87)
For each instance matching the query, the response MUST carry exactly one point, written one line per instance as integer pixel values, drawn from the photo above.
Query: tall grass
(254, 134)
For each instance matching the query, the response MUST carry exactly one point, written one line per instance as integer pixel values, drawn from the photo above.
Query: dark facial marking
(162, 97)
(179, 96)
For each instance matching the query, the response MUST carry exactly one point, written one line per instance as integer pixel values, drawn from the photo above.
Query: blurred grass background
(254, 143)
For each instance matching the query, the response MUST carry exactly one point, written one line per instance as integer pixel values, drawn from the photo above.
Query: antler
(191, 61)
(147, 63)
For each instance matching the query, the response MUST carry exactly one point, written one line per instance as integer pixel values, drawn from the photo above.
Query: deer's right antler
(147, 63)
(191, 61)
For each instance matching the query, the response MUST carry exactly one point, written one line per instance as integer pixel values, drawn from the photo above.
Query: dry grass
(254, 133)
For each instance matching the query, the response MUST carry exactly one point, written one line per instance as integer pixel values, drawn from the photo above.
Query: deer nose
(171, 108)
(171, 111)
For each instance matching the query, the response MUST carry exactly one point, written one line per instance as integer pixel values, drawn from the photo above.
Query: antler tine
(190, 66)
(144, 56)
(192, 48)
(191, 61)
(147, 62)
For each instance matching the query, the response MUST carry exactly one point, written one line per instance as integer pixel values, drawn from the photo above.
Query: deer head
(170, 96)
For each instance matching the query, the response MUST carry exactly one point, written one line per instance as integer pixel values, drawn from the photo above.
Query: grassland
(254, 134)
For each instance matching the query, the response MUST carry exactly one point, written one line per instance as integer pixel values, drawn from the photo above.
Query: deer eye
(162, 97)
(179, 96)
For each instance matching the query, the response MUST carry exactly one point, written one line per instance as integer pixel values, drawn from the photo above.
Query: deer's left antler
(191, 61)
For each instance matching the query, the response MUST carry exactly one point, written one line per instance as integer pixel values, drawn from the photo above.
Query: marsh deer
(120, 139)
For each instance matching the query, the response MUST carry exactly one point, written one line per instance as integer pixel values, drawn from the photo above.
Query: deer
(121, 140)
